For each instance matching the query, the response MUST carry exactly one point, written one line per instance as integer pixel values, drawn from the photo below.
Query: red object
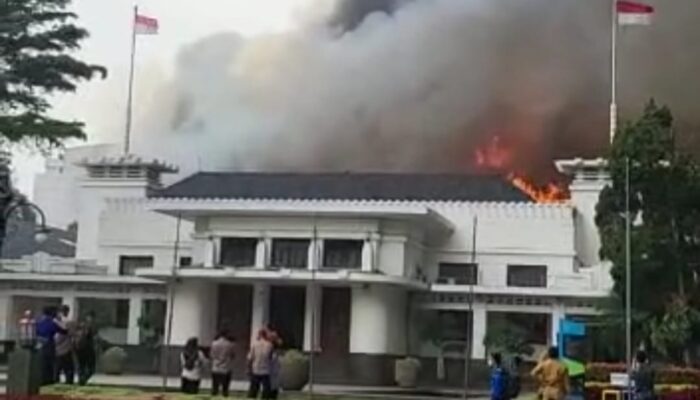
(624, 6)
(145, 25)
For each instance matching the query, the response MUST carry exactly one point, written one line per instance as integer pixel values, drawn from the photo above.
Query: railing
(42, 263)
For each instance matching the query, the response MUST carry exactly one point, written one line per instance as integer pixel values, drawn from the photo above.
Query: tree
(665, 208)
(507, 338)
(37, 38)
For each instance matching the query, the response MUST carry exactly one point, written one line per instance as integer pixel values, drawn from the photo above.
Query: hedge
(667, 375)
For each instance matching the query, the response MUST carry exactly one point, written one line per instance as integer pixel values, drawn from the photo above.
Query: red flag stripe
(146, 21)
(632, 7)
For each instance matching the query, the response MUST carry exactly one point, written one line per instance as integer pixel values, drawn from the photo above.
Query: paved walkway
(154, 382)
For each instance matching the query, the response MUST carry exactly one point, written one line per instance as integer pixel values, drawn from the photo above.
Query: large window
(527, 276)
(238, 252)
(342, 254)
(454, 325)
(129, 264)
(290, 253)
(458, 273)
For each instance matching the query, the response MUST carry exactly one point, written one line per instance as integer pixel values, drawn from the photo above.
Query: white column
(261, 308)
(133, 331)
(194, 311)
(378, 320)
(6, 317)
(310, 325)
(556, 316)
(71, 301)
(479, 324)
(209, 249)
(261, 253)
(367, 256)
(315, 254)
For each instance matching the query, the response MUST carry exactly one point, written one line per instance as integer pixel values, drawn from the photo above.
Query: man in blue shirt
(46, 329)
(499, 378)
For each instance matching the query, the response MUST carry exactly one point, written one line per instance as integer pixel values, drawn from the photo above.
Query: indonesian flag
(633, 13)
(145, 25)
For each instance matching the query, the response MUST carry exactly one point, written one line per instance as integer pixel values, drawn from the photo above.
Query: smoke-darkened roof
(20, 241)
(344, 186)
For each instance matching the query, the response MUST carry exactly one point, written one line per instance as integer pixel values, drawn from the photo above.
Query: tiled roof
(20, 241)
(339, 186)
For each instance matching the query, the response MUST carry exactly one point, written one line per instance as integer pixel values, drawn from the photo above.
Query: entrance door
(235, 302)
(335, 321)
(287, 309)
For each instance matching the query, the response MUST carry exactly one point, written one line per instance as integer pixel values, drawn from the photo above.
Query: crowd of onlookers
(67, 347)
(263, 364)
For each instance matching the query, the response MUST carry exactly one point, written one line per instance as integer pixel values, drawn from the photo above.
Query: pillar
(261, 253)
(194, 311)
(369, 251)
(556, 315)
(71, 301)
(311, 327)
(261, 308)
(315, 255)
(209, 250)
(6, 317)
(479, 327)
(378, 320)
(133, 333)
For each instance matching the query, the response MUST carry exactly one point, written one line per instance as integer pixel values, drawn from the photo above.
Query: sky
(109, 24)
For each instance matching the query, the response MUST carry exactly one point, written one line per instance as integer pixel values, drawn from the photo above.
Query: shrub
(294, 370)
(112, 361)
(666, 375)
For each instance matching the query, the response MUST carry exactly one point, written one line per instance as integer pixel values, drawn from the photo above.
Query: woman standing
(192, 361)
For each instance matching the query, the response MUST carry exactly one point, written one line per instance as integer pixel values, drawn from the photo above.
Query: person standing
(552, 376)
(643, 377)
(222, 354)
(499, 378)
(192, 361)
(46, 329)
(65, 357)
(85, 348)
(259, 360)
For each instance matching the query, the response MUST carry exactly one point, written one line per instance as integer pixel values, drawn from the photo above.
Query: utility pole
(165, 356)
(628, 275)
(470, 319)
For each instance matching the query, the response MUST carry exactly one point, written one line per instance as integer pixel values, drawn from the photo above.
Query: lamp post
(11, 201)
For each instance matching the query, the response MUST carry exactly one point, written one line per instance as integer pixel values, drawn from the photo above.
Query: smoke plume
(401, 85)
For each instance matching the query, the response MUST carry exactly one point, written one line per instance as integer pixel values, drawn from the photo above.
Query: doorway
(287, 312)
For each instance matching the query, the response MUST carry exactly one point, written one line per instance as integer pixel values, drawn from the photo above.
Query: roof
(344, 186)
(20, 241)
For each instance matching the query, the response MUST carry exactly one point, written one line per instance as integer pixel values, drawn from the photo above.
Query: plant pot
(294, 370)
(113, 360)
(406, 372)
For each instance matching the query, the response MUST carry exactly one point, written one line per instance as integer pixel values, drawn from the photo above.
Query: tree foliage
(37, 38)
(507, 338)
(665, 210)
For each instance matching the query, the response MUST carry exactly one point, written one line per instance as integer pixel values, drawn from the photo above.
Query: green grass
(118, 393)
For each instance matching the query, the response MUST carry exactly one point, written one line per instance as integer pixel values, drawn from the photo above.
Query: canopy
(575, 368)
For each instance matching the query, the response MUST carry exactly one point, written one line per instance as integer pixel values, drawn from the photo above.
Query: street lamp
(11, 201)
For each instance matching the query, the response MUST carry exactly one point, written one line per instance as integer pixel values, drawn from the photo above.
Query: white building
(368, 260)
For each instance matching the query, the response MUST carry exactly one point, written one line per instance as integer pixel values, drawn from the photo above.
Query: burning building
(350, 265)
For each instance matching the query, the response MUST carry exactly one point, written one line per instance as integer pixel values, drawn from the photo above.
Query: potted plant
(294, 370)
(113, 360)
(406, 372)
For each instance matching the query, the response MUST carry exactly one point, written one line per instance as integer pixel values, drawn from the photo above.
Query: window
(458, 273)
(346, 254)
(527, 275)
(185, 261)
(290, 253)
(129, 264)
(238, 252)
(454, 325)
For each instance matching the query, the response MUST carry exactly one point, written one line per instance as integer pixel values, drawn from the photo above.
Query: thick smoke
(418, 85)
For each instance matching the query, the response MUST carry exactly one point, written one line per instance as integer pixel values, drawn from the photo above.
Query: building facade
(359, 268)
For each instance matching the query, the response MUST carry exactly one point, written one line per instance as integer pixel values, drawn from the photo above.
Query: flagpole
(127, 134)
(613, 73)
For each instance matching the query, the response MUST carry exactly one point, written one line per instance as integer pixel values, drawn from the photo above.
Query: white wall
(378, 320)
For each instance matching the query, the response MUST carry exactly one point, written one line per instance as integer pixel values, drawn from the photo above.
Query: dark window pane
(290, 253)
(129, 264)
(122, 314)
(346, 254)
(458, 273)
(238, 252)
(527, 275)
(454, 325)
(185, 261)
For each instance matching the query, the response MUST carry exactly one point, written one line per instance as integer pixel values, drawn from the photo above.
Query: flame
(495, 156)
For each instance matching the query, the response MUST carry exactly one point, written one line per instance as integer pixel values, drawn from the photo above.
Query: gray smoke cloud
(419, 85)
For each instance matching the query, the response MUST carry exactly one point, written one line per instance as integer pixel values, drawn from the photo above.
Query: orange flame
(496, 157)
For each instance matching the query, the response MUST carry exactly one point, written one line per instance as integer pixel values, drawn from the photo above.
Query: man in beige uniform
(552, 376)
(65, 357)
(259, 362)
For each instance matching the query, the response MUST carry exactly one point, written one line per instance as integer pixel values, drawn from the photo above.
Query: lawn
(117, 393)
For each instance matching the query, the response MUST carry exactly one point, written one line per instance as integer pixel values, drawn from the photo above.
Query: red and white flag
(145, 25)
(634, 13)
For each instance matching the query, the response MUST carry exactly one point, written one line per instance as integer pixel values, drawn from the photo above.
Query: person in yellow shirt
(552, 376)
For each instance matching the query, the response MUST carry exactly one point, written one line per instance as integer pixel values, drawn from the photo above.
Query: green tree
(37, 38)
(665, 208)
(507, 338)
